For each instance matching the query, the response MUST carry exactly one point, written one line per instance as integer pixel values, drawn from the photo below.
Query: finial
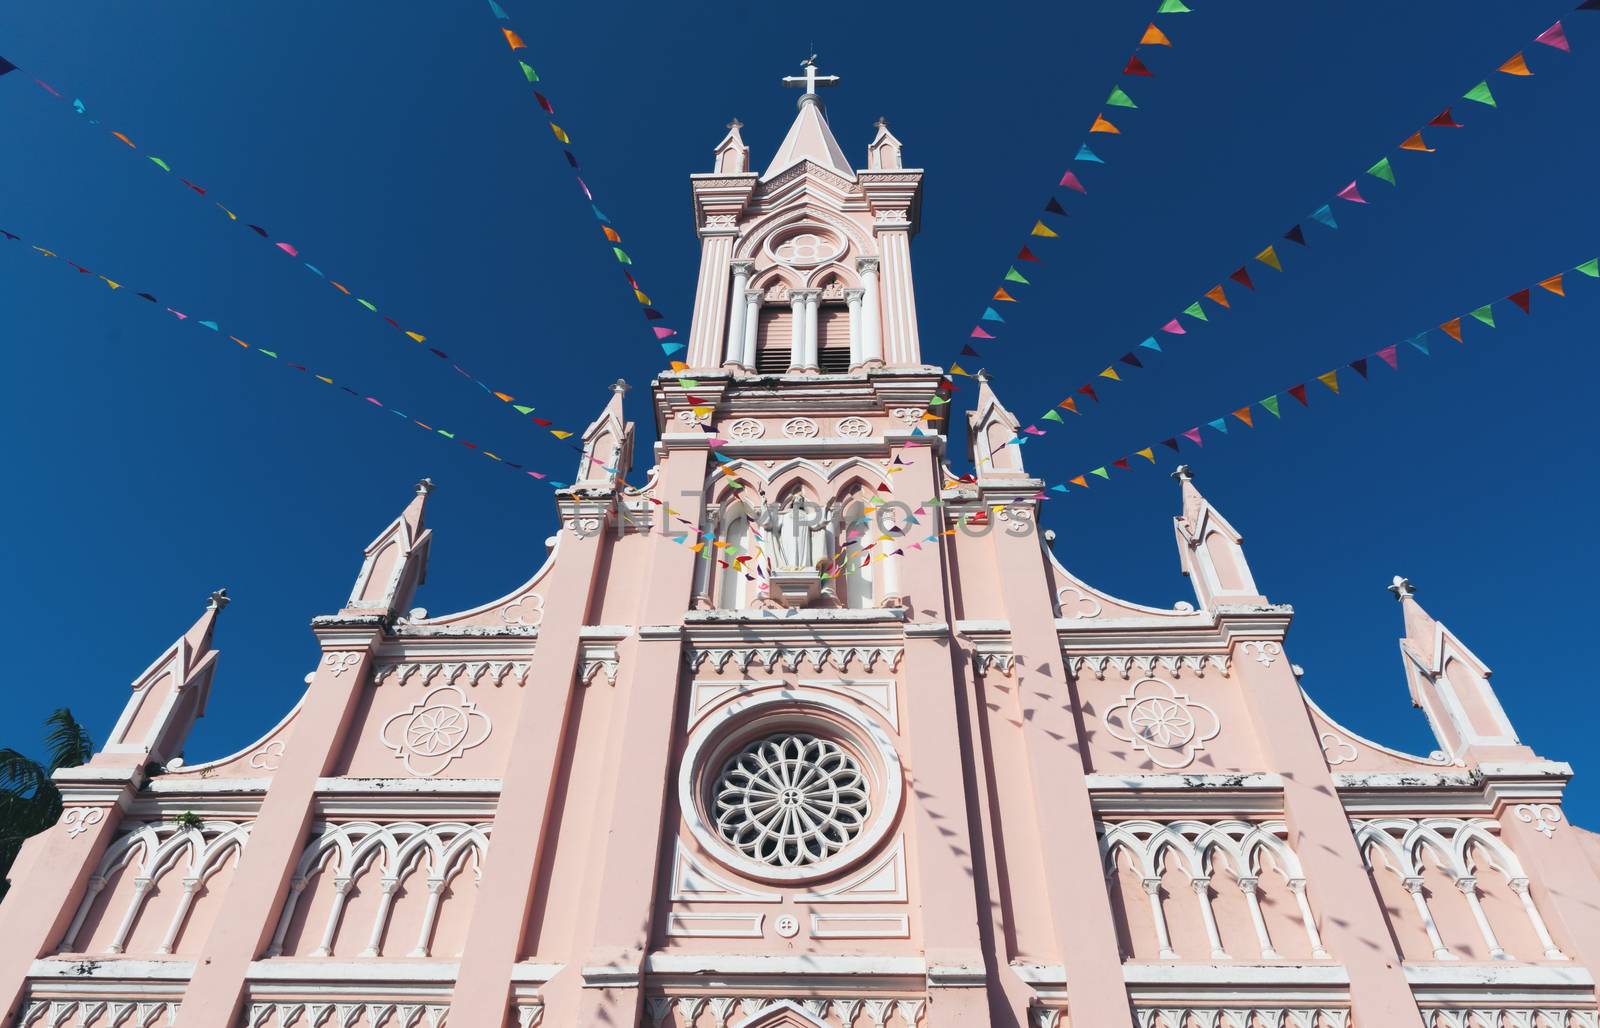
(1183, 473)
(619, 386)
(881, 123)
(425, 487)
(219, 599)
(982, 375)
(1402, 587)
(810, 81)
(735, 124)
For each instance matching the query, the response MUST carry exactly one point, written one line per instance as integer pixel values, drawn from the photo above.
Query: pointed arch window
(734, 591)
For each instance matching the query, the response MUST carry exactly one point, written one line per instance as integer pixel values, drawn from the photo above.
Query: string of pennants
(653, 316)
(504, 398)
(1422, 343)
(1102, 125)
(1271, 256)
(285, 361)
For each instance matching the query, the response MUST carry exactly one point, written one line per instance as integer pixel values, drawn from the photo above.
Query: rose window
(790, 800)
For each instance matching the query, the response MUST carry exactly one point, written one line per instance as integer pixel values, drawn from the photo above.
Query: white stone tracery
(345, 850)
(1405, 845)
(790, 800)
(1195, 845)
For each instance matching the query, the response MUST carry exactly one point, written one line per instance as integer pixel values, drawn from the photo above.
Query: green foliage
(187, 819)
(29, 801)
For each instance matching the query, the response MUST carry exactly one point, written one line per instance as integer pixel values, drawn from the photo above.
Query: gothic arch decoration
(1418, 852)
(753, 242)
(1262, 863)
(126, 909)
(332, 900)
(776, 281)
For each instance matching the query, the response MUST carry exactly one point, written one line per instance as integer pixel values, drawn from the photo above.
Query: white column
(96, 883)
(385, 904)
(429, 916)
(852, 299)
(185, 902)
(141, 886)
(1298, 887)
(296, 887)
(797, 329)
(1469, 888)
(736, 318)
(871, 317)
(813, 298)
(1551, 950)
(1250, 886)
(1440, 952)
(341, 892)
(1152, 888)
(1202, 889)
(752, 325)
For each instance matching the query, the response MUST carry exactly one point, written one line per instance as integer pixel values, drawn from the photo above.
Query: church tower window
(791, 800)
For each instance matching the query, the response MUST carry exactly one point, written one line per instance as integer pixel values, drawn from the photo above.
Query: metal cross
(810, 81)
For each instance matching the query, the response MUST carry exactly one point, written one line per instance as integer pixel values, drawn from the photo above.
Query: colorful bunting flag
(1414, 142)
(1351, 193)
(1269, 257)
(1481, 94)
(1516, 64)
(1217, 296)
(1102, 125)
(1270, 405)
(1242, 276)
(1118, 98)
(1485, 314)
(1154, 37)
(1552, 36)
(1382, 170)
(1444, 120)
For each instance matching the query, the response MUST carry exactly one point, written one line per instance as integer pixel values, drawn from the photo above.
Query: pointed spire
(1210, 550)
(809, 138)
(168, 697)
(396, 562)
(733, 156)
(607, 445)
(1451, 685)
(993, 434)
(883, 153)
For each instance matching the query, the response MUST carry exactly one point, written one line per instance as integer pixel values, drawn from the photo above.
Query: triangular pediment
(783, 1013)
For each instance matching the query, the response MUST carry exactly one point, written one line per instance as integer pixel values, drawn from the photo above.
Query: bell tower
(805, 269)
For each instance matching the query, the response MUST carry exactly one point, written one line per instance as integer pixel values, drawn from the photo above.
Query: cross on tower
(810, 81)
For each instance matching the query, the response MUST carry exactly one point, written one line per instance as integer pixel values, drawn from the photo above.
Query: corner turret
(167, 697)
(993, 442)
(395, 563)
(1210, 550)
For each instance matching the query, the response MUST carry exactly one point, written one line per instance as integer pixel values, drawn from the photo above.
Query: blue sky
(397, 147)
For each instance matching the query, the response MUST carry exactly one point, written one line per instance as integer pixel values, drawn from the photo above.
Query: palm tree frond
(68, 740)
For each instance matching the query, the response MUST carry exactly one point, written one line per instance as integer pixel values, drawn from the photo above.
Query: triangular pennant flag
(1481, 94)
(1299, 393)
(521, 409)
(1516, 64)
(1086, 154)
(1270, 404)
(1053, 415)
(1590, 267)
(978, 333)
(1131, 360)
(1194, 434)
(1111, 373)
(1242, 276)
(1194, 310)
(1324, 214)
(1269, 257)
(1330, 379)
(1420, 341)
(1172, 7)
(1173, 327)
(1070, 181)
(990, 314)
(1452, 328)
(1003, 296)
(1296, 235)
(1522, 298)
(1172, 443)
(1553, 284)
(1382, 170)
(1389, 356)
(1154, 37)
(1444, 120)
(1552, 36)
(160, 163)
(1217, 296)
(1089, 390)
(663, 333)
(515, 40)
(528, 72)
(1026, 254)
(1054, 207)
(1351, 193)
(1485, 314)
(1121, 462)
(1102, 125)
(1118, 98)
(956, 369)
(1151, 344)
(1102, 472)
(1016, 276)
(1359, 366)
(1070, 404)
(1243, 414)
(968, 351)
(1220, 424)
(1147, 453)
(1079, 480)
(1058, 488)
(1043, 230)
(1136, 66)
(1414, 142)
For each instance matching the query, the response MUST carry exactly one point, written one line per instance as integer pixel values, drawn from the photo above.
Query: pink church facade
(752, 783)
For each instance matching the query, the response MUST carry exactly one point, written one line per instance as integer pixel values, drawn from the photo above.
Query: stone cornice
(1197, 632)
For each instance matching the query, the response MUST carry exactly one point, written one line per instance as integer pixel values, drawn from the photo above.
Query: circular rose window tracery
(790, 800)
